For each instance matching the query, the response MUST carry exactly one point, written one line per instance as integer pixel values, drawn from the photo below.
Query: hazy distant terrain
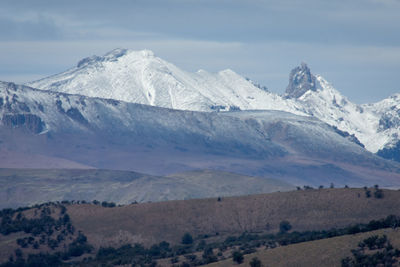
(23, 187)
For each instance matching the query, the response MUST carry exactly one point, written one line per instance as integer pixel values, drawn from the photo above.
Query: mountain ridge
(141, 77)
(111, 134)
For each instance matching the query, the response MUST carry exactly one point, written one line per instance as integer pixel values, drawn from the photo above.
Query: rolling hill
(151, 223)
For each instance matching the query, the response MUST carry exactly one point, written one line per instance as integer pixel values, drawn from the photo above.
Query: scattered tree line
(377, 192)
(373, 251)
(13, 221)
(78, 247)
(187, 253)
(47, 226)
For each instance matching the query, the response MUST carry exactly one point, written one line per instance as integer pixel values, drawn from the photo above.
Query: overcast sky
(354, 44)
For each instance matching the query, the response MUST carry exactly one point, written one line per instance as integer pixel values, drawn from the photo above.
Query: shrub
(378, 193)
(284, 226)
(208, 255)
(187, 239)
(237, 257)
(255, 262)
(175, 260)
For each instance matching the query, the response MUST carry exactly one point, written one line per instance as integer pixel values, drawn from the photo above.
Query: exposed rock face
(32, 122)
(350, 137)
(300, 81)
(391, 152)
(73, 113)
(390, 119)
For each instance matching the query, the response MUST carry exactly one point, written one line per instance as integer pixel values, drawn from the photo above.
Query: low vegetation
(45, 227)
(373, 251)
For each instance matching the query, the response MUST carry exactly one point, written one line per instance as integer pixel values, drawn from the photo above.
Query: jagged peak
(301, 80)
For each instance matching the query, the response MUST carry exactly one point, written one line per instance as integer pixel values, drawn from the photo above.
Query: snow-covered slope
(141, 77)
(111, 134)
(388, 126)
(330, 106)
(375, 125)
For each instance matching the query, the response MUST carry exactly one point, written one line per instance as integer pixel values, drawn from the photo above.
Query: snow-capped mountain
(141, 77)
(111, 134)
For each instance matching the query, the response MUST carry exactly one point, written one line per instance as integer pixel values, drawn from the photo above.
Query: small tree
(175, 260)
(18, 253)
(237, 256)
(378, 193)
(208, 255)
(284, 226)
(255, 262)
(187, 239)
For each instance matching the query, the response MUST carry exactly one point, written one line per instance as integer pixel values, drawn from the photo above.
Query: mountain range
(141, 77)
(130, 110)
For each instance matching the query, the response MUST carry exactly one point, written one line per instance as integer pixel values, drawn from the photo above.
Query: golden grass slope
(149, 223)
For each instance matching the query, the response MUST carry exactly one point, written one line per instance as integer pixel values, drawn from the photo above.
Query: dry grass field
(149, 223)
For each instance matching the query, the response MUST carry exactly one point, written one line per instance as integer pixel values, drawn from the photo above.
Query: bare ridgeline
(128, 160)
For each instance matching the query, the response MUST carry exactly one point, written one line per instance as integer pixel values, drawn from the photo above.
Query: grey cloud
(39, 28)
(313, 21)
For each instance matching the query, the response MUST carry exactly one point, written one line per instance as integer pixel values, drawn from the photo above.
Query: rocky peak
(300, 81)
(114, 55)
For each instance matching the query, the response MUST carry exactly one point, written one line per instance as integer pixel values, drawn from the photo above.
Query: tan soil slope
(305, 210)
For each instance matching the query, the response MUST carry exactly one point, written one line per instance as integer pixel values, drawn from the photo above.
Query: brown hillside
(325, 252)
(305, 210)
